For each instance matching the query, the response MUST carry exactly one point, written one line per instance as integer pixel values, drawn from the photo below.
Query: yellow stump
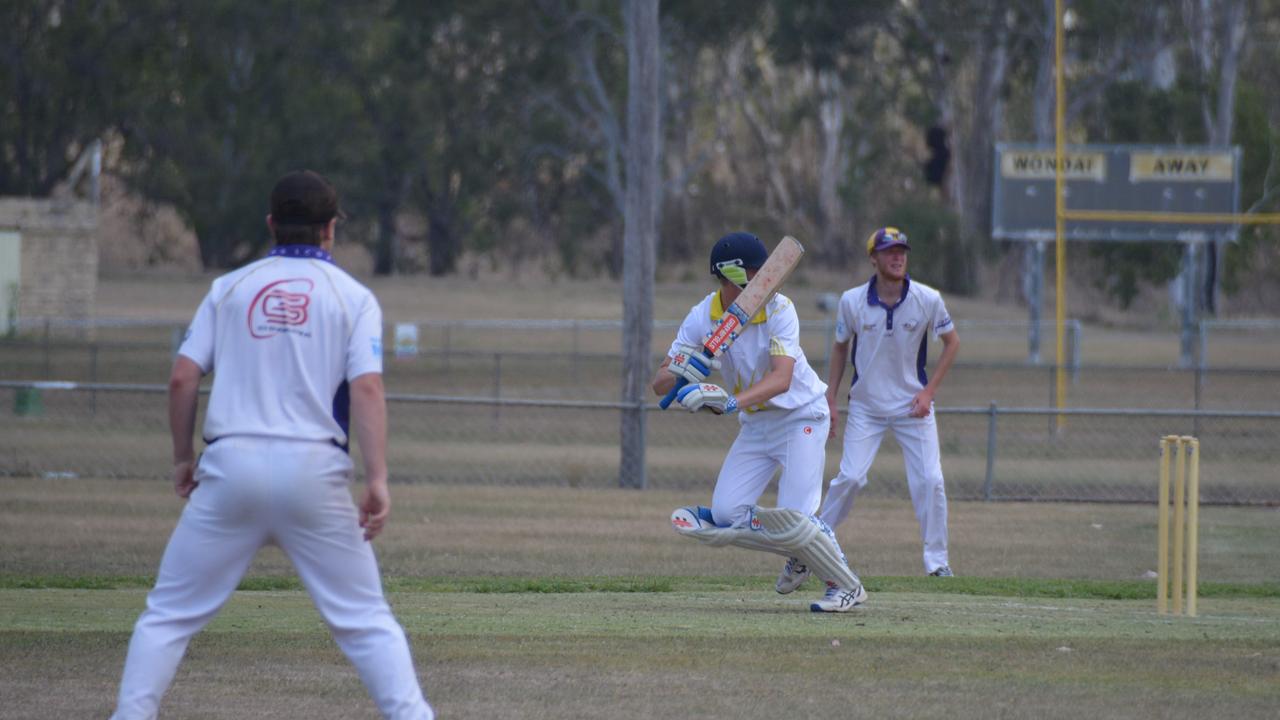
(1179, 523)
(1186, 523)
(1162, 529)
(1193, 523)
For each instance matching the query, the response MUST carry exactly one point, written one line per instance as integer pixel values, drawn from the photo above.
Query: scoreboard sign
(1136, 178)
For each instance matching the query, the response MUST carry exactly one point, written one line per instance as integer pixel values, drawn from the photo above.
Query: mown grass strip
(996, 587)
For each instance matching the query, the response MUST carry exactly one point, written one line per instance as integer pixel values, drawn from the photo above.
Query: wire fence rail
(990, 453)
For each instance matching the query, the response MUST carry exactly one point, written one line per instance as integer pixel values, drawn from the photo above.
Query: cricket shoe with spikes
(838, 599)
(793, 575)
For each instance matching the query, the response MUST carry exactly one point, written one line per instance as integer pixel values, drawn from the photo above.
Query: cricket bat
(754, 296)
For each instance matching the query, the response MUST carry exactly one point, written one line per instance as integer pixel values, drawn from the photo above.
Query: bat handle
(665, 402)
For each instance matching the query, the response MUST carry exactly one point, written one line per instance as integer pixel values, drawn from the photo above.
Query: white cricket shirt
(775, 330)
(283, 336)
(890, 344)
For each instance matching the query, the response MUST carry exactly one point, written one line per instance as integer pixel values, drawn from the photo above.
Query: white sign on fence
(406, 340)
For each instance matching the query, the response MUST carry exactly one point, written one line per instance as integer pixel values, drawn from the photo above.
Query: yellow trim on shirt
(717, 311)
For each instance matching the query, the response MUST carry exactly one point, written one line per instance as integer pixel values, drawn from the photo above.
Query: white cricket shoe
(944, 571)
(839, 599)
(793, 575)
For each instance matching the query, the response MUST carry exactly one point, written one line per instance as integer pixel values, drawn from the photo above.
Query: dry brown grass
(119, 527)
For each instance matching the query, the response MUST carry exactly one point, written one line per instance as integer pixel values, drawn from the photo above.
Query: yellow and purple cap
(886, 237)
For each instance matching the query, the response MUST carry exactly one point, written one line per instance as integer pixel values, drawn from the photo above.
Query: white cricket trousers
(795, 441)
(255, 491)
(918, 438)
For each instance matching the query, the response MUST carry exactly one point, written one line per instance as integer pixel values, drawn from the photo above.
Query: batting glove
(689, 363)
(709, 397)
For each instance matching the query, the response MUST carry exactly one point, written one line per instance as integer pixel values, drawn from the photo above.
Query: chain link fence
(536, 402)
(61, 429)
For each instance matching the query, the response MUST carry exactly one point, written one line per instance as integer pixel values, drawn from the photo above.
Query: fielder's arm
(184, 392)
(369, 423)
(924, 399)
(835, 373)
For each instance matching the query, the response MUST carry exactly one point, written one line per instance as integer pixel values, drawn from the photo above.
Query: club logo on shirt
(869, 327)
(281, 307)
(910, 325)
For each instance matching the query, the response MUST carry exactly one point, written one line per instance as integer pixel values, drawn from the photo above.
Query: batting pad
(809, 539)
(695, 522)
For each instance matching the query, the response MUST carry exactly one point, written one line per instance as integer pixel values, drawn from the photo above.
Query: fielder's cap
(304, 197)
(886, 237)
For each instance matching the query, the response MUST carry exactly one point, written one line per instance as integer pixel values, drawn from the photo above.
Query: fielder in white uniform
(883, 327)
(779, 402)
(296, 347)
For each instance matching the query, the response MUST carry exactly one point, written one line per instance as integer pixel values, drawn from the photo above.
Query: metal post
(1053, 398)
(576, 349)
(1190, 302)
(991, 452)
(1075, 351)
(93, 377)
(497, 388)
(448, 337)
(47, 361)
(1033, 288)
(1198, 391)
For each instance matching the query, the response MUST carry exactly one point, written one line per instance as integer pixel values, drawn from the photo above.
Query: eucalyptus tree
(68, 76)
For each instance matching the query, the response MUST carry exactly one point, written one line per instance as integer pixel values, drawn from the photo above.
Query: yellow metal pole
(1193, 524)
(1179, 522)
(1060, 207)
(1162, 530)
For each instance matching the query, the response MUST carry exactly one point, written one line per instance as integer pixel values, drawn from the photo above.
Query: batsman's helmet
(736, 253)
(886, 237)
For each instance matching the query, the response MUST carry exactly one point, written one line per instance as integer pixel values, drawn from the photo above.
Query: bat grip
(665, 402)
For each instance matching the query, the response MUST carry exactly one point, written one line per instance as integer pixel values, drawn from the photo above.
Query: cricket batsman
(783, 418)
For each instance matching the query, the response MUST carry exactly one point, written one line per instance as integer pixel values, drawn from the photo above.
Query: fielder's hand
(689, 363)
(374, 509)
(184, 478)
(921, 404)
(706, 396)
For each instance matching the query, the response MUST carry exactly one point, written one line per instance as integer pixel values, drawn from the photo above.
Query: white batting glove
(689, 363)
(707, 396)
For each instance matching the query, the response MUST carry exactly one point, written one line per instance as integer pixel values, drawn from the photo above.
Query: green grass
(726, 652)
(989, 587)
(552, 603)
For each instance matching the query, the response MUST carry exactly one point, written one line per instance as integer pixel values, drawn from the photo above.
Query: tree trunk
(831, 169)
(388, 248)
(1219, 116)
(643, 192)
(442, 242)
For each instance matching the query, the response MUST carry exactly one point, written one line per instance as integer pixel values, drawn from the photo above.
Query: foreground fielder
(783, 419)
(883, 328)
(297, 348)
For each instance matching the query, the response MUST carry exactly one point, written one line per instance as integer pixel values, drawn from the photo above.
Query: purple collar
(306, 252)
(873, 298)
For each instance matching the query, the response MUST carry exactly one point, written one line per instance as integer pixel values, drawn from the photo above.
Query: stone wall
(59, 258)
